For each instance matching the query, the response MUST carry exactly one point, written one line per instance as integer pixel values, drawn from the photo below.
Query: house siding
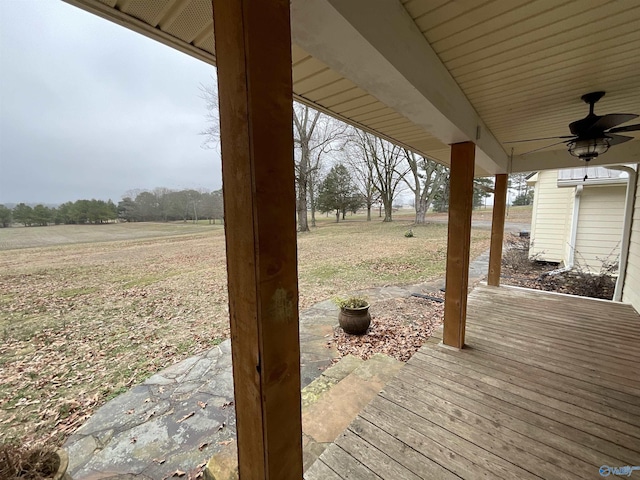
(551, 221)
(600, 224)
(631, 291)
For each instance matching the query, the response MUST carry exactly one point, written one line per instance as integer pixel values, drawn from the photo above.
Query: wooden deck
(549, 387)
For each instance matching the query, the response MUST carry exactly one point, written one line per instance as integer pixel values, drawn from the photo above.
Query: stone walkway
(178, 418)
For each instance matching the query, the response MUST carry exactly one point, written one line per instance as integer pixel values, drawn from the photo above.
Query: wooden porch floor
(549, 387)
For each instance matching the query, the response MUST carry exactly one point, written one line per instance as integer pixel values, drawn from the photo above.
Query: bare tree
(314, 180)
(388, 167)
(211, 133)
(427, 178)
(314, 136)
(362, 171)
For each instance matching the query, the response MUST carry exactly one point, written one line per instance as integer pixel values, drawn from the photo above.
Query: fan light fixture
(588, 148)
(592, 135)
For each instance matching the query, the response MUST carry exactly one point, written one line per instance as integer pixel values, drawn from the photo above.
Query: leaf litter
(399, 327)
(82, 323)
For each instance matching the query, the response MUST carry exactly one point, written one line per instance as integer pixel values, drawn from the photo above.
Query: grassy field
(88, 311)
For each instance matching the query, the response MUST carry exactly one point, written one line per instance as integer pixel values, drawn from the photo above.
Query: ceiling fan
(594, 134)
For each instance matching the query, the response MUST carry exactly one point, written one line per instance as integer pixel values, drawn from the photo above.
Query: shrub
(581, 281)
(37, 463)
(516, 254)
(351, 302)
(408, 233)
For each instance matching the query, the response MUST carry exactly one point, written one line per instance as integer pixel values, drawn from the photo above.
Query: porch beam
(497, 229)
(253, 49)
(458, 243)
(382, 50)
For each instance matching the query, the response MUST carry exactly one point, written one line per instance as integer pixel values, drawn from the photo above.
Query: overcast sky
(89, 109)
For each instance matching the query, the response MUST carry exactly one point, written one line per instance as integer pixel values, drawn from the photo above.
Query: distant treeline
(165, 205)
(159, 205)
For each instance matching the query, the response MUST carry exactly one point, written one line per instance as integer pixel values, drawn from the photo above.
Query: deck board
(549, 387)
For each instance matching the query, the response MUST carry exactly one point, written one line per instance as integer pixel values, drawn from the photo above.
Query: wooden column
(497, 229)
(458, 242)
(253, 51)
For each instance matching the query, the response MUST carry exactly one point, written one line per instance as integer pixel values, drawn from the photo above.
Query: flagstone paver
(180, 417)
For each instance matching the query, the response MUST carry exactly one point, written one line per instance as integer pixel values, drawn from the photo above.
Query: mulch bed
(520, 270)
(570, 282)
(399, 327)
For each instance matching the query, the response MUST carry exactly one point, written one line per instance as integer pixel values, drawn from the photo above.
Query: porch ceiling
(425, 73)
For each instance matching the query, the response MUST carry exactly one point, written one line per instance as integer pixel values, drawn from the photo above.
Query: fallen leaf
(134, 439)
(203, 446)
(129, 412)
(202, 404)
(149, 415)
(222, 426)
(188, 415)
(178, 473)
(159, 461)
(225, 442)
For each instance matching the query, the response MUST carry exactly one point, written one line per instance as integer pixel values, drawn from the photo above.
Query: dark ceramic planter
(355, 321)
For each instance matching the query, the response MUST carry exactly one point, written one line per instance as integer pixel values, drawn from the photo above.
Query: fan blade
(544, 138)
(552, 145)
(617, 139)
(610, 120)
(628, 128)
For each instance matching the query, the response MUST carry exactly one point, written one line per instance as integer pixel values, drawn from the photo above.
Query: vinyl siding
(631, 292)
(600, 223)
(551, 218)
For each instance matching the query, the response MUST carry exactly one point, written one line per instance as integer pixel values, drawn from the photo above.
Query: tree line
(340, 168)
(78, 212)
(158, 205)
(166, 205)
(365, 171)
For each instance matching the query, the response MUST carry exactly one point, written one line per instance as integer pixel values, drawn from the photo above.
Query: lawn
(88, 311)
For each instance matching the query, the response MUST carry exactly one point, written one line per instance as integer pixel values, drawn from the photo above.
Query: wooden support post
(458, 243)
(497, 229)
(253, 51)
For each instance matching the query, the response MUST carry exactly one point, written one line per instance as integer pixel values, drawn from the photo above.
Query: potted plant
(354, 316)
(37, 463)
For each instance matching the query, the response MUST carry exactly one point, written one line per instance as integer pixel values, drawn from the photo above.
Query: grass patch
(143, 281)
(83, 321)
(76, 292)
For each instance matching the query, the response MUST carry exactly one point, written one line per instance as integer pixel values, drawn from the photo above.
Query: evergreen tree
(482, 187)
(441, 198)
(23, 214)
(41, 215)
(127, 210)
(5, 217)
(337, 192)
(524, 199)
